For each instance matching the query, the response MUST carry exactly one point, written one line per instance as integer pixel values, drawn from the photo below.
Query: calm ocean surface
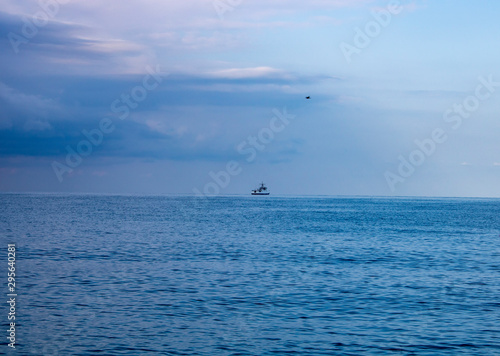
(167, 275)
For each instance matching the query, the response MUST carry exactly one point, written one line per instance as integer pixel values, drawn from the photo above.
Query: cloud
(37, 125)
(33, 103)
(193, 24)
(18, 108)
(256, 72)
(86, 38)
(63, 47)
(64, 80)
(156, 14)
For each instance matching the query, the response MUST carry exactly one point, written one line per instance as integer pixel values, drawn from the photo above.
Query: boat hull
(260, 193)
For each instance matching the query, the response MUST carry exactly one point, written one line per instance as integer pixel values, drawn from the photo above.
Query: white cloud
(247, 73)
(167, 128)
(32, 103)
(111, 45)
(122, 37)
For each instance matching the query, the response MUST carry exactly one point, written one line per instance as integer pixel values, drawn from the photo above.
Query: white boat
(262, 190)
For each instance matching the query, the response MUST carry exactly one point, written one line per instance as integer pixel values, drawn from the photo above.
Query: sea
(251, 275)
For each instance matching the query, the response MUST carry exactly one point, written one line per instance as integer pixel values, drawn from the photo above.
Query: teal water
(162, 275)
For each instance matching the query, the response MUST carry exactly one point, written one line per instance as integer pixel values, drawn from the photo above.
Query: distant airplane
(308, 97)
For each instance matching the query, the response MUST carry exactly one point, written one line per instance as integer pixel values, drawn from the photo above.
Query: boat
(262, 190)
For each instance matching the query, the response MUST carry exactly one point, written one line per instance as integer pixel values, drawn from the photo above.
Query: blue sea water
(174, 275)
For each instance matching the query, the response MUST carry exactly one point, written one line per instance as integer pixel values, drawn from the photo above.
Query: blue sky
(69, 66)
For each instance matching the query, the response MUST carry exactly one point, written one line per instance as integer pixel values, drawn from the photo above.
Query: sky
(209, 97)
